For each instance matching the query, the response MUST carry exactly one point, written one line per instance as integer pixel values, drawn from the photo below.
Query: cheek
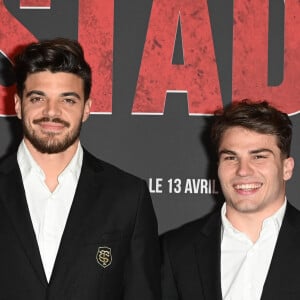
(272, 175)
(225, 170)
(223, 175)
(26, 115)
(77, 117)
(28, 109)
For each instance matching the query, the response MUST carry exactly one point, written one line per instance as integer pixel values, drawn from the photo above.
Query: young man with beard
(71, 225)
(250, 249)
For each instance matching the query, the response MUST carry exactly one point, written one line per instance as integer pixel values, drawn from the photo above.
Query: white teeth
(248, 186)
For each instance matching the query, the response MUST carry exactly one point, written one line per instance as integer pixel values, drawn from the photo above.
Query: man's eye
(259, 156)
(229, 158)
(36, 99)
(69, 101)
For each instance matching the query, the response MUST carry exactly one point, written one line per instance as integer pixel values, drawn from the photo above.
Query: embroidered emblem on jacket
(104, 257)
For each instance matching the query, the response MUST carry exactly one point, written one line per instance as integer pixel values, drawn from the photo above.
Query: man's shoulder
(8, 162)
(292, 215)
(192, 231)
(108, 169)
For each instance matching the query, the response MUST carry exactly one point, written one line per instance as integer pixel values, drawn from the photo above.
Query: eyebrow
(41, 93)
(256, 151)
(35, 92)
(261, 150)
(70, 94)
(226, 151)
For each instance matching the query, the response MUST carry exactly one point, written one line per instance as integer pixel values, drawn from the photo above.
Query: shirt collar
(276, 218)
(27, 163)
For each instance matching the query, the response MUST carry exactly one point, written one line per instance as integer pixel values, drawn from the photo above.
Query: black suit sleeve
(169, 290)
(142, 273)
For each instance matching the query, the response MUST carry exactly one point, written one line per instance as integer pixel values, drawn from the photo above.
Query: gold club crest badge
(104, 257)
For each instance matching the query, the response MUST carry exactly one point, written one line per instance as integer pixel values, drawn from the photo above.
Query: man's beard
(49, 144)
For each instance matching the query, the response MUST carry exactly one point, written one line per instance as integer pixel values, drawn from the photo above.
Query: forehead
(60, 81)
(241, 138)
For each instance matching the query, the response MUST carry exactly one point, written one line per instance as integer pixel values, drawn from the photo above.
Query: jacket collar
(209, 256)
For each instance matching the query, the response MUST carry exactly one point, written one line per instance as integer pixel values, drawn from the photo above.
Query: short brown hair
(259, 116)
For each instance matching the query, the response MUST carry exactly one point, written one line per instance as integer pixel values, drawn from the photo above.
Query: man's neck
(250, 223)
(52, 164)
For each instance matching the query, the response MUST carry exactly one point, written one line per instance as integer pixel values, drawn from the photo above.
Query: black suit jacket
(191, 261)
(111, 209)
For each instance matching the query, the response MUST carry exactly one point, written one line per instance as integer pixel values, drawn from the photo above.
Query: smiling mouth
(52, 127)
(247, 186)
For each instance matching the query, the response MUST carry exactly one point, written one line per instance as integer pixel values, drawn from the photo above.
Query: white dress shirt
(48, 210)
(244, 264)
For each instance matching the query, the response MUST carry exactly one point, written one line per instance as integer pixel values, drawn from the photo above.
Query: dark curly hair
(56, 55)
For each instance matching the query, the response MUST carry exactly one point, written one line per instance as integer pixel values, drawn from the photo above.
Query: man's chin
(247, 209)
(51, 146)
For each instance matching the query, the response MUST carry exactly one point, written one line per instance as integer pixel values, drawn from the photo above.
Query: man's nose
(244, 168)
(51, 108)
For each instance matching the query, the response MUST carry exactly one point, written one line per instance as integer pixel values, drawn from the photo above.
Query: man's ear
(288, 166)
(18, 107)
(86, 109)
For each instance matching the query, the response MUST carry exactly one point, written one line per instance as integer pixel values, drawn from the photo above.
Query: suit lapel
(14, 201)
(285, 255)
(88, 187)
(208, 258)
